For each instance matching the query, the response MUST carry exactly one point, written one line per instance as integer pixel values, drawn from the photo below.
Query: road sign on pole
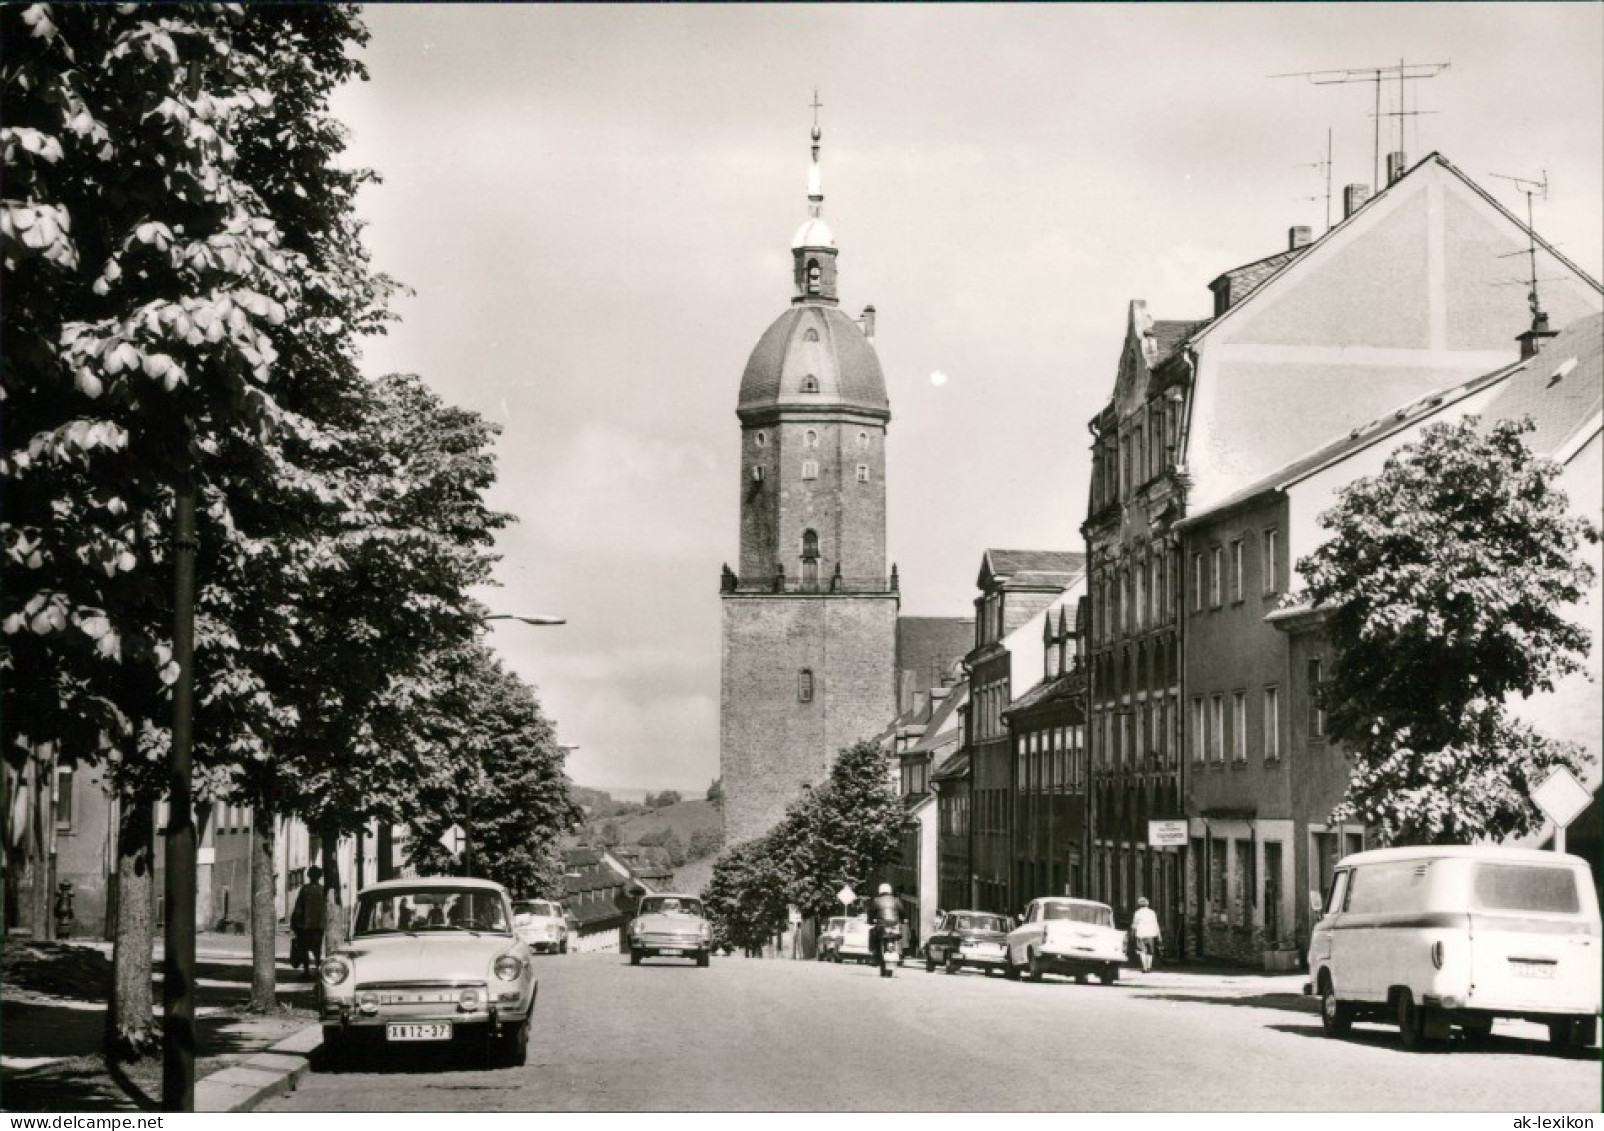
(846, 895)
(1561, 798)
(451, 839)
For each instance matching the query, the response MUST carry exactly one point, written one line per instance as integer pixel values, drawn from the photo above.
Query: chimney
(868, 322)
(1298, 237)
(1353, 199)
(1395, 166)
(1531, 342)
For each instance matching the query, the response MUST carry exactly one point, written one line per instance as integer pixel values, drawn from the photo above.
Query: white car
(430, 962)
(1060, 935)
(854, 943)
(541, 924)
(670, 925)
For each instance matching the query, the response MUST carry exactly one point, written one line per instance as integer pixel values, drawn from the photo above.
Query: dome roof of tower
(814, 232)
(814, 356)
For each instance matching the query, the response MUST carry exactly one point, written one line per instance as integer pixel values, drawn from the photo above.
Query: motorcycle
(890, 950)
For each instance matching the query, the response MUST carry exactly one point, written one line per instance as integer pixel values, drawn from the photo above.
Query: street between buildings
(774, 1035)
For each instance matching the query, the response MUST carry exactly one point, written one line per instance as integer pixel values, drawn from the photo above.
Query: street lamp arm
(537, 620)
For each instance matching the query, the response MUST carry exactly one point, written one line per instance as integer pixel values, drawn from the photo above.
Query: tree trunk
(41, 920)
(264, 909)
(131, 1030)
(334, 921)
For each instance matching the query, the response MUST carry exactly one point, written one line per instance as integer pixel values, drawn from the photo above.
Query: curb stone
(259, 1077)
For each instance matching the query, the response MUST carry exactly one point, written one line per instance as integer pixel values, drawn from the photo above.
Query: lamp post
(535, 620)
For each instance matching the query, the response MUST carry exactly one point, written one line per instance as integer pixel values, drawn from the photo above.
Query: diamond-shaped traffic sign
(451, 839)
(1561, 797)
(846, 895)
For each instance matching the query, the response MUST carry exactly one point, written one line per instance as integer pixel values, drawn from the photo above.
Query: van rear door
(1535, 938)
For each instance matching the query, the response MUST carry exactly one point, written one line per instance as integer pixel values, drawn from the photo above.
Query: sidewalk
(54, 1015)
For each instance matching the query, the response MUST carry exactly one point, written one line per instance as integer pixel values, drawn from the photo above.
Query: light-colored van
(1432, 938)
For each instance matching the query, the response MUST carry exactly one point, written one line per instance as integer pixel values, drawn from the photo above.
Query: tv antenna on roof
(1531, 188)
(1404, 72)
(1324, 165)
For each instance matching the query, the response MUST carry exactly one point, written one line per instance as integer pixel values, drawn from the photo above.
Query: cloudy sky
(593, 206)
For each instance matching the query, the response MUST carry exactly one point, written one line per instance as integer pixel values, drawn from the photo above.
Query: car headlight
(368, 1001)
(468, 1000)
(707, 931)
(508, 968)
(334, 971)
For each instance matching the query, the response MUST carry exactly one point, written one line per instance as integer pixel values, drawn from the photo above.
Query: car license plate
(1532, 969)
(435, 1031)
(671, 951)
(990, 949)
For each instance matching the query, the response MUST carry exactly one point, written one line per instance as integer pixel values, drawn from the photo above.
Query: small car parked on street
(1060, 935)
(854, 944)
(1433, 938)
(967, 938)
(430, 960)
(540, 923)
(668, 925)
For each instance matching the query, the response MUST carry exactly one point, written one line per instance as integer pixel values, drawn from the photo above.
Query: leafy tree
(502, 780)
(704, 843)
(715, 793)
(1446, 579)
(662, 800)
(847, 828)
(610, 835)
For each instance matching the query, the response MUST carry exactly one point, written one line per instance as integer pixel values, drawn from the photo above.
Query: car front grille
(684, 942)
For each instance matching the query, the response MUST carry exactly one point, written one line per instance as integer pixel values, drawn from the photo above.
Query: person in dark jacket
(885, 914)
(307, 922)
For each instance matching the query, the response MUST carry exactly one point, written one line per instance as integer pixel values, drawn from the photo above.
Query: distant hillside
(695, 828)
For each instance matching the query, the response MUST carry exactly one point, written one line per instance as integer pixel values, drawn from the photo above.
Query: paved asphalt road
(769, 1035)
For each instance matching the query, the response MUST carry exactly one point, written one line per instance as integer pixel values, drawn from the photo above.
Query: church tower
(810, 615)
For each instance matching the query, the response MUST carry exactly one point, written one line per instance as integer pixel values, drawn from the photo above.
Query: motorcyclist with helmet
(885, 913)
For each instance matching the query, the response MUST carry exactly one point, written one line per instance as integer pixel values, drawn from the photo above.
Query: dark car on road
(968, 938)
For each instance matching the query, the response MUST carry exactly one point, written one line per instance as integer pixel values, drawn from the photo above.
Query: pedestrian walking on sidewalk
(1144, 926)
(307, 921)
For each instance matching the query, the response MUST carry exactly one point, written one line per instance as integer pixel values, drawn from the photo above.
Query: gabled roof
(1069, 687)
(938, 733)
(1030, 568)
(1170, 336)
(1286, 263)
(956, 766)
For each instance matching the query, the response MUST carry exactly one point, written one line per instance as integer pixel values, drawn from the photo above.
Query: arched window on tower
(810, 558)
(804, 685)
(810, 384)
(815, 275)
(810, 335)
(810, 439)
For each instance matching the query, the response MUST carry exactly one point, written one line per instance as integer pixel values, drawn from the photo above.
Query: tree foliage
(499, 775)
(845, 830)
(1447, 578)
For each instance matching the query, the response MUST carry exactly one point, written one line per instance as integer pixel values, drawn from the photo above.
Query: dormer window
(810, 335)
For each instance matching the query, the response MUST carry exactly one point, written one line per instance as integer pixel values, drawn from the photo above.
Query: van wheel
(1336, 1017)
(1411, 1021)
(952, 963)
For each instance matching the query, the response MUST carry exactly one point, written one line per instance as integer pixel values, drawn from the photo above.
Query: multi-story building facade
(1018, 590)
(1047, 725)
(1391, 307)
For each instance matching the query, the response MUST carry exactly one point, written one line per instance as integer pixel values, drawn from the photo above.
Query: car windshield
(407, 910)
(670, 905)
(856, 927)
(1093, 913)
(526, 910)
(979, 923)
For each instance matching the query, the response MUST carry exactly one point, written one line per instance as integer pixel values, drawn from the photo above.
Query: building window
(1217, 728)
(804, 686)
(1239, 726)
(810, 469)
(1198, 733)
(761, 439)
(810, 439)
(63, 798)
(1197, 582)
(1217, 873)
(1140, 602)
(1317, 713)
(810, 384)
(1236, 570)
(1271, 564)
(1216, 566)
(810, 544)
(863, 441)
(810, 335)
(1247, 882)
(863, 473)
(1272, 724)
